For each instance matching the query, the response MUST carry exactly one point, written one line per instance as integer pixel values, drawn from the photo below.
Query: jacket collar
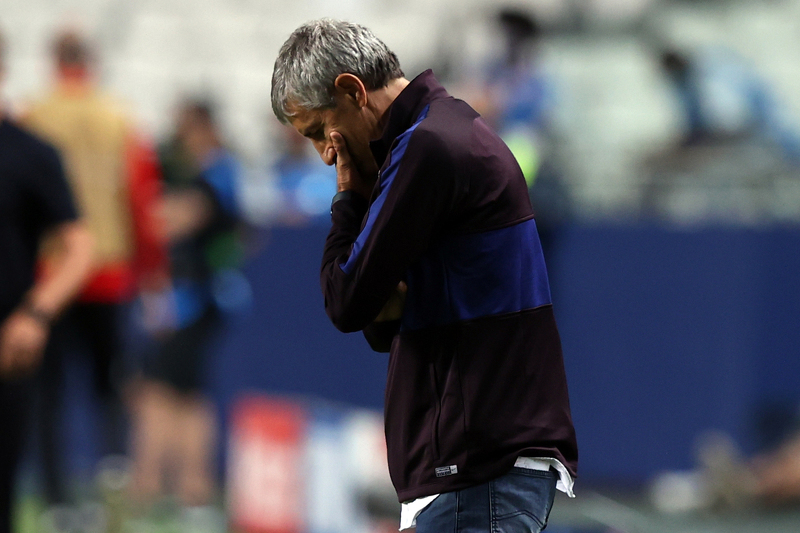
(405, 109)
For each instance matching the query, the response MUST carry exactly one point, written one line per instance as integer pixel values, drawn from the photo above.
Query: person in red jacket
(114, 174)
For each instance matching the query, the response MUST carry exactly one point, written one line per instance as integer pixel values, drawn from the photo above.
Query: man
(520, 100)
(174, 421)
(115, 177)
(434, 254)
(34, 198)
(723, 99)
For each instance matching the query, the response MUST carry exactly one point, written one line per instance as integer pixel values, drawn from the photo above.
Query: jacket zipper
(436, 413)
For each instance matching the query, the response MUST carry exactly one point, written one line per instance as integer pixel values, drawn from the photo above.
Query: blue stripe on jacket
(387, 177)
(478, 275)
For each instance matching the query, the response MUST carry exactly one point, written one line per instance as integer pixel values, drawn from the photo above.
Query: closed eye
(314, 134)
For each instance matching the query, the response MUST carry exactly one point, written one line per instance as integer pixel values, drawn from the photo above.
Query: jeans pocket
(521, 500)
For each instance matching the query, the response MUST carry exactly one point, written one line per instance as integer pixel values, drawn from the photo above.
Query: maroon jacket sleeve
(368, 253)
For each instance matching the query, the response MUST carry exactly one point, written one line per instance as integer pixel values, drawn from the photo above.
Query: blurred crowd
(168, 246)
(171, 226)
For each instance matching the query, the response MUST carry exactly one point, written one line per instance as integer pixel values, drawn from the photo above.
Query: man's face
(348, 120)
(194, 135)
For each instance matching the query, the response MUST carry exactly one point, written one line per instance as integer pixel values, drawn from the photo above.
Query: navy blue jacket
(476, 376)
(34, 197)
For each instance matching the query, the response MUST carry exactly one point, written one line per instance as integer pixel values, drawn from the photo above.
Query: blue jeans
(517, 502)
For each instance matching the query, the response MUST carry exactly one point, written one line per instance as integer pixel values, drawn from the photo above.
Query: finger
(342, 155)
(329, 157)
(402, 287)
(337, 140)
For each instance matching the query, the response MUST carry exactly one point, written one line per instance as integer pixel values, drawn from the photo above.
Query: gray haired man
(434, 254)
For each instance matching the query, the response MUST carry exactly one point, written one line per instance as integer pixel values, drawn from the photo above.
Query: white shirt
(411, 510)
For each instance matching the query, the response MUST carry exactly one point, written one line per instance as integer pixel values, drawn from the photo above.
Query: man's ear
(349, 85)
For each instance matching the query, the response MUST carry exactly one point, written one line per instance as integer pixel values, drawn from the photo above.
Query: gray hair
(316, 53)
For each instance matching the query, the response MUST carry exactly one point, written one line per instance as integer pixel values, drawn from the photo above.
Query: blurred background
(661, 144)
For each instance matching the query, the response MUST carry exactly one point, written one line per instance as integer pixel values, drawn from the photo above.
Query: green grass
(166, 517)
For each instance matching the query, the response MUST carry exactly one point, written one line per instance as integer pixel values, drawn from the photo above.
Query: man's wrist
(348, 194)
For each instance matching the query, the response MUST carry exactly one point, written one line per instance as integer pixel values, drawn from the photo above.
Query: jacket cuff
(350, 196)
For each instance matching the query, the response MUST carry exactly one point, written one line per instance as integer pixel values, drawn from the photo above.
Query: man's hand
(183, 213)
(348, 177)
(22, 342)
(393, 310)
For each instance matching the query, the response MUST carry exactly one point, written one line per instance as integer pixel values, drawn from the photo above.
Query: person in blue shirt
(723, 98)
(520, 102)
(174, 421)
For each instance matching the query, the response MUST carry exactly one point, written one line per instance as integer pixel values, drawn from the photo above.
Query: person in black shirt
(34, 200)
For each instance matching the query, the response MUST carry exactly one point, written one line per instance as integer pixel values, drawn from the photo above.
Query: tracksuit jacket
(476, 376)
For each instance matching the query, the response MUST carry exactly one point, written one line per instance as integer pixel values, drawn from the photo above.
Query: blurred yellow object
(523, 146)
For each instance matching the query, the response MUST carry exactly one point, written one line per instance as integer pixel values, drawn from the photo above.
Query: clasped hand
(348, 176)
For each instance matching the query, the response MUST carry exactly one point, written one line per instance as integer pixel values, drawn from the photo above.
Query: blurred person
(34, 200)
(434, 254)
(519, 100)
(113, 173)
(777, 474)
(769, 479)
(737, 141)
(174, 421)
(518, 93)
(723, 99)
